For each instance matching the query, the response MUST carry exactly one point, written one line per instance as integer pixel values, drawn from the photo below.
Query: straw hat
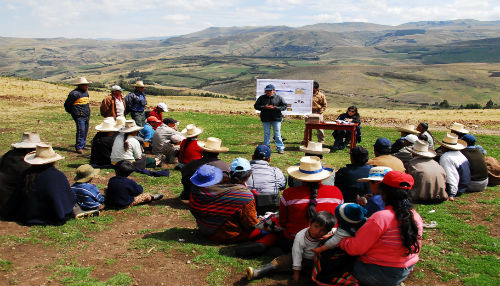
(408, 128)
(81, 80)
(30, 140)
(107, 125)
(44, 154)
(130, 127)
(421, 148)
(139, 83)
(191, 131)
(309, 170)
(120, 121)
(452, 142)
(376, 174)
(85, 173)
(458, 127)
(213, 145)
(314, 148)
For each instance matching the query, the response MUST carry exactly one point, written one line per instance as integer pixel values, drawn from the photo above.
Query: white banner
(298, 94)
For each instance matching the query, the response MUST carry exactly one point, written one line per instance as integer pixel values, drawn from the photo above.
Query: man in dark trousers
(270, 106)
(135, 103)
(77, 104)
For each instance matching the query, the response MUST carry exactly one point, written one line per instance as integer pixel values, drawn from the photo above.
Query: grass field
(158, 244)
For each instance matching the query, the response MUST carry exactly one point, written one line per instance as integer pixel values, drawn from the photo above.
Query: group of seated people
(247, 202)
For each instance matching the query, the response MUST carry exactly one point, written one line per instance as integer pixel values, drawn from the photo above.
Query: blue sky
(122, 19)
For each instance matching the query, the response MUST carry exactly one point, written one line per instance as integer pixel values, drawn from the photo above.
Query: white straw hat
(314, 148)
(191, 131)
(120, 121)
(309, 170)
(458, 127)
(408, 128)
(107, 125)
(130, 127)
(139, 83)
(30, 140)
(43, 154)
(213, 145)
(452, 142)
(81, 80)
(421, 148)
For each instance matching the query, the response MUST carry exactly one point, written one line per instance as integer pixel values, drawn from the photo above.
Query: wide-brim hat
(376, 174)
(85, 173)
(206, 175)
(310, 169)
(452, 142)
(29, 141)
(314, 148)
(43, 154)
(107, 125)
(139, 83)
(213, 145)
(408, 128)
(191, 131)
(458, 127)
(81, 80)
(120, 121)
(421, 148)
(130, 127)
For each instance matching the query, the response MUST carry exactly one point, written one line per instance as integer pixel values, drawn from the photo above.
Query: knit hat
(350, 215)
(206, 175)
(240, 165)
(262, 152)
(399, 180)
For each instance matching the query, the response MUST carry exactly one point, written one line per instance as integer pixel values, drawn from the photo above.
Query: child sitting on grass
(124, 192)
(302, 255)
(87, 195)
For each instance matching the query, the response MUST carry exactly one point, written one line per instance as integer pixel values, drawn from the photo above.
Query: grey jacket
(267, 181)
(162, 135)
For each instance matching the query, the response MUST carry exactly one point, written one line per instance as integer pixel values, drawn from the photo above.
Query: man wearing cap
(12, 164)
(136, 102)
(430, 177)
(113, 105)
(477, 163)
(158, 111)
(77, 104)
(346, 178)
(211, 149)
(163, 135)
(455, 164)
(266, 180)
(270, 106)
(383, 157)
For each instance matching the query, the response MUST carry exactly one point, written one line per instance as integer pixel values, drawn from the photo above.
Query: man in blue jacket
(136, 102)
(77, 104)
(270, 106)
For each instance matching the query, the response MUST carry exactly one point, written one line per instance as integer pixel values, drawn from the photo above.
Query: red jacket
(192, 152)
(156, 113)
(294, 203)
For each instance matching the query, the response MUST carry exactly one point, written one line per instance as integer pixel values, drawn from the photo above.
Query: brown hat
(85, 173)
(43, 154)
(29, 141)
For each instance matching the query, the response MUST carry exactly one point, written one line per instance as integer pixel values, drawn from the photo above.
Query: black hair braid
(125, 143)
(311, 208)
(398, 199)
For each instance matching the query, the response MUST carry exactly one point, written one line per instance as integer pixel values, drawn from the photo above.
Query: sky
(128, 19)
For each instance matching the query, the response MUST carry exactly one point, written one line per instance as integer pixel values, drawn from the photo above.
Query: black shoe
(157, 197)
(250, 249)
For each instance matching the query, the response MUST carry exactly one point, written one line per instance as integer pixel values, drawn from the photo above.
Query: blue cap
(240, 165)
(470, 139)
(262, 152)
(269, 87)
(206, 175)
(382, 144)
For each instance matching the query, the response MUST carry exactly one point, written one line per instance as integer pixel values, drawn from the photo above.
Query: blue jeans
(277, 134)
(375, 275)
(82, 128)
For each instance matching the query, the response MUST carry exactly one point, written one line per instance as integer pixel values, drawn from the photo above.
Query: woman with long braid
(388, 244)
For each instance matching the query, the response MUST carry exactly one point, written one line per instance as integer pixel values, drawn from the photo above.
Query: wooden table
(330, 126)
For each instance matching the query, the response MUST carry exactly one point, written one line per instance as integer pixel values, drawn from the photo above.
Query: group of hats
(109, 124)
(43, 153)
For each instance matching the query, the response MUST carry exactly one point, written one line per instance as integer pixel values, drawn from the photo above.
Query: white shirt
(120, 107)
(118, 152)
(302, 248)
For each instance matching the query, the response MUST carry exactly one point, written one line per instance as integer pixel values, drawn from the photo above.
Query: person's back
(430, 180)
(161, 136)
(12, 166)
(347, 177)
(383, 157)
(457, 171)
(100, 152)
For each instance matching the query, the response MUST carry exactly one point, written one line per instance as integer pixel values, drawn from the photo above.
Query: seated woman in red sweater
(299, 204)
(189, 149)
(389, 242)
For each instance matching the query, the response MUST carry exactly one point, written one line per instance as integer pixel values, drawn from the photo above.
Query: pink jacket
(378, 241)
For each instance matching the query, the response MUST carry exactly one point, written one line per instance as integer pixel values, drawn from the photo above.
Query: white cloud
(178, 19)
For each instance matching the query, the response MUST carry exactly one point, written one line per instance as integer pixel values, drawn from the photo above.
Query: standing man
(113, 105)
(270, 106)
(136, 103)
(77, 104)
(319, 107)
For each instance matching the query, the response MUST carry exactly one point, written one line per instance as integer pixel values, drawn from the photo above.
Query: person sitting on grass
(302, 255)
(102, 143)
(346, 178)
(148, 131)
(383, 157)
(189, 150)
(373, 202)
(87, 195)
(123, 192)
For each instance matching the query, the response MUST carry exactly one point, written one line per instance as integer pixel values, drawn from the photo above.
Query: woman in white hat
(299, 204)
(102, 143)
(189, 149)
(158, 111)
(12, 164)
(314, 149)
(455, 164)
(44, 197)
(127, 147)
